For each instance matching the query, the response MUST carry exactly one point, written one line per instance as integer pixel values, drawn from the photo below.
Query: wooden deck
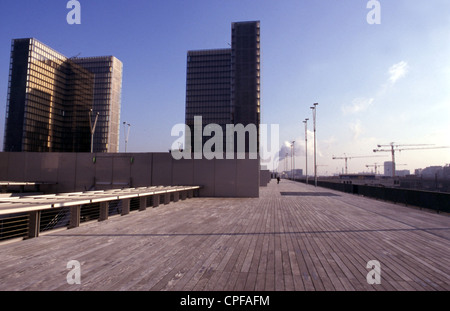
(307, 238)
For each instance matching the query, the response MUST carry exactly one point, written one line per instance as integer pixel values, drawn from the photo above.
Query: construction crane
(375, 165)
(393, 148)
(346, 158)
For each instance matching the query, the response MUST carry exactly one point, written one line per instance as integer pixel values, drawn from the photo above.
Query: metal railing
(27, 216)
(15, 226)
(437, 201)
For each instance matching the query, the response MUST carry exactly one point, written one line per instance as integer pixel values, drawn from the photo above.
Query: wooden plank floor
(307, 239)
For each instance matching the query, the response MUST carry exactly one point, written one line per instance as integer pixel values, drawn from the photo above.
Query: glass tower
(245, 66)
(49, 99)
(208, 89)
(107, 72)
(223, 85)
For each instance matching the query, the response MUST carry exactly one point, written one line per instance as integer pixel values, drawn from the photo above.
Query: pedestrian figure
(278, 179)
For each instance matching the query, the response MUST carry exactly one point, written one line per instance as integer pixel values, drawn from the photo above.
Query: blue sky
(375, 84)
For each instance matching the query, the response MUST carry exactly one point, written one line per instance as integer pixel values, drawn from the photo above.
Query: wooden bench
(33, 205)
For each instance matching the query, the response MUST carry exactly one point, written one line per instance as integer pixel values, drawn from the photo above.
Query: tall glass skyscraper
(208, 86)
(107, 71)
(223, 85)
(50, 97)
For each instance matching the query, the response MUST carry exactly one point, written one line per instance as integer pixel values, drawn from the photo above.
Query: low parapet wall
(69, 172)
(264, 177)
(438, 201)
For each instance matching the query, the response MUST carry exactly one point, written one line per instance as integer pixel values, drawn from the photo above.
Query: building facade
(223, 85)
(107, 71)
(208, 93)
(245, 83)
(50, 98)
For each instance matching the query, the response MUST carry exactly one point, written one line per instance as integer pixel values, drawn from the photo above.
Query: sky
(374, 83)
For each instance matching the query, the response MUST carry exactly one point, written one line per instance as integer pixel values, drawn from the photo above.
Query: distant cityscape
(432, 178)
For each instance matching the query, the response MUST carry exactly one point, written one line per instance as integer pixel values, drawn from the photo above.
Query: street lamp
(306, 148)
(314, 109)
(127, 133)
(92, 127)
(293, 160)
(285, 163)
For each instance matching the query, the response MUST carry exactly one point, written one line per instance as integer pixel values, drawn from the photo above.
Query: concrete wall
(265, 177)
(85, 171)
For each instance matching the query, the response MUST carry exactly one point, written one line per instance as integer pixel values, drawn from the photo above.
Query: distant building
(402, 173)
(388, 168)
(223, 85)
(432, 171)
(446, 171)
(50, 97)
(298, 172)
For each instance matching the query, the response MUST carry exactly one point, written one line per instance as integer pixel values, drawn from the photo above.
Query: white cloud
(358, 105)
(356, 129)
(398, 71)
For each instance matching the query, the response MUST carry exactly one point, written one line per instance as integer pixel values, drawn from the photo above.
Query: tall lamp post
(92, 128)
(285, 163)
(306, 148)
(127, 133)
(314, 109)
(291, 163)
(293, 160)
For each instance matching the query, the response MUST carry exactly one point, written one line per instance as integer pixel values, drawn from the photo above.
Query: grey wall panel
(79, 172)
(4, 157)
(141, 170)
(264, 177)
(67, 172)
(121, 171)
(162, 169)
(104, 171)
(33, 166)
(17, 166)
(225, 177)
(183, 172)
(247, 178)
(41, 166)
(204, 176)
(85, 172)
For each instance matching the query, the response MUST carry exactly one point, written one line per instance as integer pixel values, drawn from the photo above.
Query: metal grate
(311, 194)
(115, 208)
(54, 219)
(134, 204)
(89, 212)
(13, 226)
